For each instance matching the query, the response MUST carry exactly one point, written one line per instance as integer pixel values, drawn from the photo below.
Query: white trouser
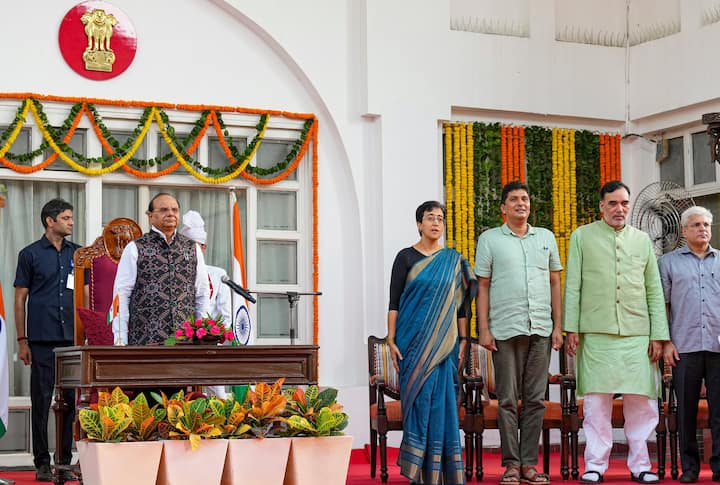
(641, 418)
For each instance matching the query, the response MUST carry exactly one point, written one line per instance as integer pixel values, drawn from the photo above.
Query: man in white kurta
(614, 316)
(220, 302)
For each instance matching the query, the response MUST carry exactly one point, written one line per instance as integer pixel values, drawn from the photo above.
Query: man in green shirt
(519, 309)
(615, 321)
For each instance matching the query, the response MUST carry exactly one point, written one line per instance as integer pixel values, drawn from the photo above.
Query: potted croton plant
(315, 424)
(254, 429)
(190, 419)
(120, 431)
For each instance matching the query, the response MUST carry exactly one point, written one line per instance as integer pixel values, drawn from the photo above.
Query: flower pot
(119, 463)
(180, 465)
(319, 461)
(257, 461)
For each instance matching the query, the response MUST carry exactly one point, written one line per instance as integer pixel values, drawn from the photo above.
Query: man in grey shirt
(691, 282)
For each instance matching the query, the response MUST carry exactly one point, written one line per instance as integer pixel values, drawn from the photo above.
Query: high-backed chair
(384, 382)
(482, 409)
(572, 410)
(99, 261)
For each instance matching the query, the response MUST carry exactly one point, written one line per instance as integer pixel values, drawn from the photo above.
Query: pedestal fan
(657, 210)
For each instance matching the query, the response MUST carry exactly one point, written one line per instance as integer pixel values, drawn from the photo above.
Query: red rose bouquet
(208, 329)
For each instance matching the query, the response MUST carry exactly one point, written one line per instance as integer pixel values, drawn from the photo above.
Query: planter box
(257, 461)
(180, 465)
(119, 463)
(319, 461)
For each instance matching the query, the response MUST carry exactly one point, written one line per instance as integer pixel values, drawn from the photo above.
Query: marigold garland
(89, 166)
(448, 128)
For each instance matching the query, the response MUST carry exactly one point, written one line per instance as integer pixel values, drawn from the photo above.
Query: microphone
(238, 289)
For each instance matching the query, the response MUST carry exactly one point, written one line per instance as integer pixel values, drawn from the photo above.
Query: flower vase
(107, 463)
(322, 460)
(181, 465)
(246, 457)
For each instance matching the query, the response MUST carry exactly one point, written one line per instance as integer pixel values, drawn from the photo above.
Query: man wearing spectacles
(161, 279)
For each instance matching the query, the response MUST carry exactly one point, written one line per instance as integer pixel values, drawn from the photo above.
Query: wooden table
(84, 368)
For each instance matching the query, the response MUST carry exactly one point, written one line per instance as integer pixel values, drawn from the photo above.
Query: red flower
(215, 330)
(211, 322)
(201, 332)
(198, 322)
(229, 336)
(179, 333)
(189, 332)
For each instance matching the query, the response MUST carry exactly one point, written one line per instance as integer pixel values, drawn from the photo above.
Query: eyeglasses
(433, 219)
(167, 210)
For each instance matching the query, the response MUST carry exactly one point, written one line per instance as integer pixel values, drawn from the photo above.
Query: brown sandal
(511, 476)
(533, 477)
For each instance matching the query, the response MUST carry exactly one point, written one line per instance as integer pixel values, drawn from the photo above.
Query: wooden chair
(386, 416)
(482, 409)
(572, 410)
(99, 261)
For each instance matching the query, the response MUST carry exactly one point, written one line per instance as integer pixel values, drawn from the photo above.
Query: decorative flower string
(315, 231)
(85, 106)
(456, 175)
(449, 221)
(470, 190)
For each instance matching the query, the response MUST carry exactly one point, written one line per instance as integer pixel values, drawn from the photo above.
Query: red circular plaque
(97, 40)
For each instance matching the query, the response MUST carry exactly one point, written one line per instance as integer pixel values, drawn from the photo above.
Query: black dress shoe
(689, 477)
(44, 474)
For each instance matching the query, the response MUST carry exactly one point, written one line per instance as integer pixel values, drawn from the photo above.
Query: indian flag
(114, 309)
(241, 321)
(4, 376)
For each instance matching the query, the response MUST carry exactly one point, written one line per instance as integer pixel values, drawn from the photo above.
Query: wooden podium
(85, 368)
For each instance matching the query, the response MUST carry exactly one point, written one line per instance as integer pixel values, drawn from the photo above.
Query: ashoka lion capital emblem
(98, 55)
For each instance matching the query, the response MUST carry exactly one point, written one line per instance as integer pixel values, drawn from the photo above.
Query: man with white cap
(220, 298)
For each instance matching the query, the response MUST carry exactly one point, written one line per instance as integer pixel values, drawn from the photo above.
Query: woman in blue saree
(430, 292)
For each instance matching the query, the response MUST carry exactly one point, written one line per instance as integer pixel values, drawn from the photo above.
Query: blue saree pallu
(427, 337)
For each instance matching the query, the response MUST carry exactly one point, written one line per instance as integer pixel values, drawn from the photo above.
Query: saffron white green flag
(4, 377)
(242, 325)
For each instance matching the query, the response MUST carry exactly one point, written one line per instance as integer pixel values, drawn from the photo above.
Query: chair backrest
(100, 260)
(480, 364)
(380, 365)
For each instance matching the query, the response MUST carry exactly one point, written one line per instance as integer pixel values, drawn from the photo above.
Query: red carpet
(359, 471)
(618, 474)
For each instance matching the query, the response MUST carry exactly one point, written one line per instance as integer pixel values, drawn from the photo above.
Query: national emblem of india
(98, 55)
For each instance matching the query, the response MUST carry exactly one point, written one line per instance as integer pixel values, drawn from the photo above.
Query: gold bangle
(390, 340)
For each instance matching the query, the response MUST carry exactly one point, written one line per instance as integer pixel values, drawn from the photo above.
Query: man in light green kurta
(614, 316)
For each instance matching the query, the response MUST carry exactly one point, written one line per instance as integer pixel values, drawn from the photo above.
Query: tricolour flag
(114, 309)
(4, 375)
(241, 322)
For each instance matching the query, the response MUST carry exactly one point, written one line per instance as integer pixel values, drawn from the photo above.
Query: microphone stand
(293, 298)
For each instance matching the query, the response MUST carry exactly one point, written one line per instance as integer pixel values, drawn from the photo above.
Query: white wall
(380, 76)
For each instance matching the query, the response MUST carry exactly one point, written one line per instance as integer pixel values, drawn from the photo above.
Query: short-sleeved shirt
(44, 270)
(692, 288)
(519, 271)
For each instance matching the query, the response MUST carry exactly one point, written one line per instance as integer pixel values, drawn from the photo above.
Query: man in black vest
(161, 279)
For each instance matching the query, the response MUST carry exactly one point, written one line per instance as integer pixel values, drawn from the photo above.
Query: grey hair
(695, 210)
